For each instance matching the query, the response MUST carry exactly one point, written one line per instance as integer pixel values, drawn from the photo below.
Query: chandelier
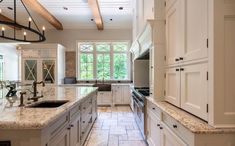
(32, 28)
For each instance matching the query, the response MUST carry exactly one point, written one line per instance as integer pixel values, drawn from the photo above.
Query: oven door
(139, 114)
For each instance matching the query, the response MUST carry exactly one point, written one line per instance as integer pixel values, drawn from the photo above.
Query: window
(103, 61)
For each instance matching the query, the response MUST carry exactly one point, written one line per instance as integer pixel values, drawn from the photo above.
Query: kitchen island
(66, 125)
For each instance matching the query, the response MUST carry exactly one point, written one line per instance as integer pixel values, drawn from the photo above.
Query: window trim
(111, 59)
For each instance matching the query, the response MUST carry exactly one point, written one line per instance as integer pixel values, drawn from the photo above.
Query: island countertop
(37, 118)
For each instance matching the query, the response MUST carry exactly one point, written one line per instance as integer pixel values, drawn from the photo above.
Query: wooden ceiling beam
(38, 8)
(4, 18)
(94, 5)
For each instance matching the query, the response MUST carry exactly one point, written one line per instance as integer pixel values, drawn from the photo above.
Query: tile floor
(115, 126)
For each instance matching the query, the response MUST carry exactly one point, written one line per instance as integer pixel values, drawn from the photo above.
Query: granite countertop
(189, 121)
(37, 118)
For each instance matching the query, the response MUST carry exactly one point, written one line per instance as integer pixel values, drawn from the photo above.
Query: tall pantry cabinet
(200, 54)
(42, 62)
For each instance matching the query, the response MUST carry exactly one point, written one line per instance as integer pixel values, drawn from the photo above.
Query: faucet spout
(35, 83)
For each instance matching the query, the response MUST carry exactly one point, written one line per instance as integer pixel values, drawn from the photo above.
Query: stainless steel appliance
(139, 99)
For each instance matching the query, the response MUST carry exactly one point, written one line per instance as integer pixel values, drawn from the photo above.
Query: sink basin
(103, 87)
(48, 104)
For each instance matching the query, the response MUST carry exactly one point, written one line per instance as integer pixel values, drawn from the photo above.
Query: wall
(11, 61)
(69, 37)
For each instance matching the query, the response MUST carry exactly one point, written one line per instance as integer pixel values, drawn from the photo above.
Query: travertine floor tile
(115, 126)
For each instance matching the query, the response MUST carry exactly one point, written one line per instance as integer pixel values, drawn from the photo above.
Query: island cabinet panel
(62, 139)
(75, 132)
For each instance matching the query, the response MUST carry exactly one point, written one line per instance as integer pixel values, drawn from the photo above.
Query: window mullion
(95, 61)
(111, 62)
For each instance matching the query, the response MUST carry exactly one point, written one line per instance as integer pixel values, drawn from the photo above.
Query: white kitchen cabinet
(43, 62)
(195, 33)
(62, 139)
(74, 134)
(194, 89)
(172, 86)
(104, 98)
(121, 94)
(154, 132)
(168, 138)
(184, 42)
(187, 88)
(174, 28)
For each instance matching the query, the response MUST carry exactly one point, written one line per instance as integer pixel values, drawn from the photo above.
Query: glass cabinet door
(30, 70)
(48, 71)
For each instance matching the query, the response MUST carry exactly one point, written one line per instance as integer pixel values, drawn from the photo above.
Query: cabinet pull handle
(71, 125)
(153, 108)
(161, 128)
(151, 93)
(177, 69)
(181, 69)
(177, 59)
(68, 128)
(181, 58)
(174, 126)
(83, 121)
(158, 125)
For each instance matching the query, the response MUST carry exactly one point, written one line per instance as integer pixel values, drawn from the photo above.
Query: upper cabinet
(43, 62)
(186, 30)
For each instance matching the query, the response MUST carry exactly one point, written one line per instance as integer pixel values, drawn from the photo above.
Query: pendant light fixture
(31, 28)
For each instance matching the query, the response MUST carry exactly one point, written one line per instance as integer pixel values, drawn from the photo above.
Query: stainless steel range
(139, 99)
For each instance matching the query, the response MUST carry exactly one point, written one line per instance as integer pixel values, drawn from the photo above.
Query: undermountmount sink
(103, 87)
(48, 104)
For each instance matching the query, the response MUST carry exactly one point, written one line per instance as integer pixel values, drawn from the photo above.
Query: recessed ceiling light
(65, 8)
(10, 8)
(120, 8)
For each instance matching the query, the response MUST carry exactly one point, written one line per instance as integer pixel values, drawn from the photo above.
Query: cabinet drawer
(59, 124)
(178, 129)
(85, 122)
(155, 110)
(75, 112)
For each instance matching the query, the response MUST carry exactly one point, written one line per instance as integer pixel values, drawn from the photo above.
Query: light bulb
(3, 29)
(43, 28)
(0, 11)
(30, 19)
(25, 33)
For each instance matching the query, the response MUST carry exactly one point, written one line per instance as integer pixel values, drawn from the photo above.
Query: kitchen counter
(37, 118)
(192, 123)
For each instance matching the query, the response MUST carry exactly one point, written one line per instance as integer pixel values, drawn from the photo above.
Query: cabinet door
(62, 139)
(154, 133)
(75, 132)
(99, 98)
(126, 94)
(195, 16)
(168, 138)
(107, 98)
(194, 89)
(30, 72)
(172, 89)
(174, 38)
(48, 71)
(117, 94)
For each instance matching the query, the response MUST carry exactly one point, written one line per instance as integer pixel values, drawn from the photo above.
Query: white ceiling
(78, 15)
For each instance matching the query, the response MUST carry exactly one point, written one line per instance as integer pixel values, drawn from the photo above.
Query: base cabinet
(121, 94)
(74, 133)
(62, 139)
(104, 98)
(168, 138)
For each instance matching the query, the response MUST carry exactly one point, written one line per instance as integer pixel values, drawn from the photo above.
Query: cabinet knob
(177, 69)
(181, 69)
(161, 128)
(71, 125)
(83, 121)
(151, 93)
(68, 128)
(176, 59)
(174, 126)
(181, 58)
(153, 108)
(158, 125)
